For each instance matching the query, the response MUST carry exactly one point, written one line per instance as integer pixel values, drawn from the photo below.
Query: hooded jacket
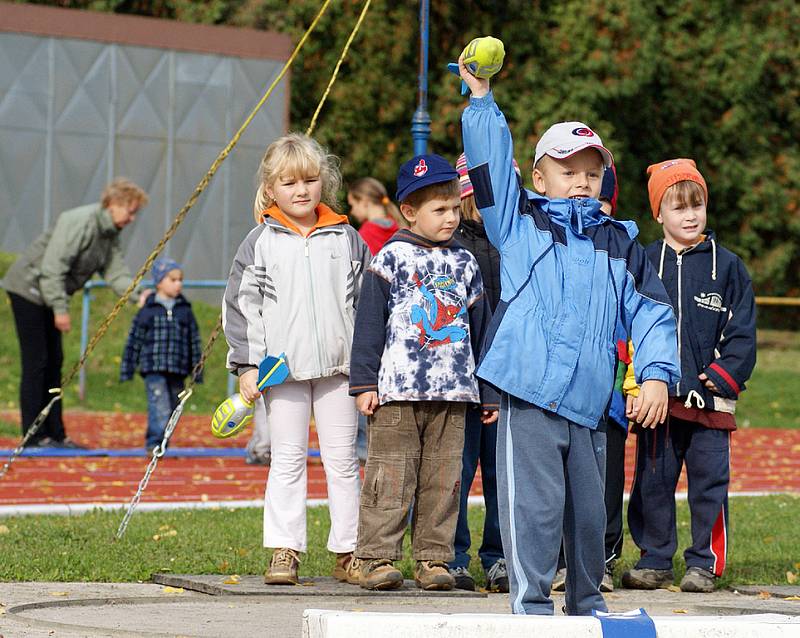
(568, 272)
(472, 235)
(82, 242)
(422, 318)
(297, 295)
(713, 299)
(162, 340)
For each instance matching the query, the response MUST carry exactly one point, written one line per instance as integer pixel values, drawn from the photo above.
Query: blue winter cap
(421, 171)
(162, 266)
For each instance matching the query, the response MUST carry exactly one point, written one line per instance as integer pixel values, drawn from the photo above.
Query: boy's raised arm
(490, 154)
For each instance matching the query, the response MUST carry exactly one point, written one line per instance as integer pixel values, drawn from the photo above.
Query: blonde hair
(685, 193)
(375, 192)
(469, 210)
(123, 191)
(297, 155)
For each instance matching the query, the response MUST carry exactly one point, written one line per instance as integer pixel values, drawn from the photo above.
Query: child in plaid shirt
(164, 343)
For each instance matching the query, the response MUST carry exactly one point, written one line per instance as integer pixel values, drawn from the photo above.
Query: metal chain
(33, 429)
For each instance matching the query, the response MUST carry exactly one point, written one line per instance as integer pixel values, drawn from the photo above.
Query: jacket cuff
(355, 390)
(654, 373)
(60, 308)
(240, 370)
(483, 102)
(726, 384)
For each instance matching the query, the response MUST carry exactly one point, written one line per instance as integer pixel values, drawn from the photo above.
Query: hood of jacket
(405, 235)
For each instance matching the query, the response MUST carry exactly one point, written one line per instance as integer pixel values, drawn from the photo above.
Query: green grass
(81, 548)
(9, 429)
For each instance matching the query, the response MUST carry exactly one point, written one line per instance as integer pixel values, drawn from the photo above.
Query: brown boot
(342, 566)
(354, 571)
(433, 575)
(283, 567)
(380, 573)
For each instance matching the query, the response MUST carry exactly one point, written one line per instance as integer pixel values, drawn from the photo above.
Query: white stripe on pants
(289, 408)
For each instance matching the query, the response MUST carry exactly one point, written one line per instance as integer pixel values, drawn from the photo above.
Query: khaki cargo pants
(414, 455)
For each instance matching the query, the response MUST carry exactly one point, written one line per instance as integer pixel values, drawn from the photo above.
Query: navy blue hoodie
(713, 299)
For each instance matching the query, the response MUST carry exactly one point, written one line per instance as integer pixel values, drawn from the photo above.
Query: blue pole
(421, 122)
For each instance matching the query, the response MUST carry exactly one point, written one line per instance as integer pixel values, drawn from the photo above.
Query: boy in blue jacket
(164, 343)
(712, 294)
(568, 273)
(422, 314)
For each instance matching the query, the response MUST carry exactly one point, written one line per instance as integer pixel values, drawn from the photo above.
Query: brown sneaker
(354, 571)
(433, 575)
(379, 573)
(283, 567)
(342, 566)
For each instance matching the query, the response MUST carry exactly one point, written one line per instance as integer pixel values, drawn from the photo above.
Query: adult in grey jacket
(83, 241)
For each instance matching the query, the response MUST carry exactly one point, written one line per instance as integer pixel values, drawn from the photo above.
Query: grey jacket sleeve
(65, 243)
(242, 319)
(116, 272)
(360, 257)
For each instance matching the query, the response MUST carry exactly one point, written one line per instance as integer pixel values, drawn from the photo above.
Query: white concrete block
(318, 623)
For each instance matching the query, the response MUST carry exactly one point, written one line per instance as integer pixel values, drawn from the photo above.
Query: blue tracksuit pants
(660, 455)
(550, 481)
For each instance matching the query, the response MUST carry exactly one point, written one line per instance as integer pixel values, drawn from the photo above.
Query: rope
(201, 186)
(160, 450)
(338, 65)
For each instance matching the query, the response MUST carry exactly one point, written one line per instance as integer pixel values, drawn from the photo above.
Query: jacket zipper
(313, 305)
(679, 258)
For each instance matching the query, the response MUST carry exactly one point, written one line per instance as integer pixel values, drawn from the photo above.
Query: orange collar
(326, 216)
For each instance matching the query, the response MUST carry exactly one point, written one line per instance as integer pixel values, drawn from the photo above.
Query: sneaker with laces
(342, 566)
(433, 575)
(462, 578)
(379, 573)
(354, 571)
(497, 577)
(559, 580)
(607, 584)
(283, 567)
(646, 578)
(698, 580)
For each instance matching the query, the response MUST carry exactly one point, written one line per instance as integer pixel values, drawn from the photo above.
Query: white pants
(289, 408)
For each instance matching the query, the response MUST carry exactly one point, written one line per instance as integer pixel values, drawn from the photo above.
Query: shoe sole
(435, 586)
(634, 583)
(280, 581)
(606, 589)
(693, 589)
(383, 586)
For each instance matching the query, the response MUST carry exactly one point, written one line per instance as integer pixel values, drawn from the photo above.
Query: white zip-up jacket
(296, 295)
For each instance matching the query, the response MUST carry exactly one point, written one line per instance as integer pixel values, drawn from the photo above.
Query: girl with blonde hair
(293, 288)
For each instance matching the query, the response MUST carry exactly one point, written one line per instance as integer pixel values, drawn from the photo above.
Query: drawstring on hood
(661, 261)
(701, 403)
(713, 260)
(713, 257)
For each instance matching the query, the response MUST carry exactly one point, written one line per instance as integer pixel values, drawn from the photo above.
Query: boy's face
(171, 285)
(436, 220)
(296, 196)
(574, 177)
(683, 221)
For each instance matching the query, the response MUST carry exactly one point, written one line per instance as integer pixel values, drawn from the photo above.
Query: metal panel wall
(75, 113)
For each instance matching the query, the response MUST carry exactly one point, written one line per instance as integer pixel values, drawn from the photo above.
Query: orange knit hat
(666, 174)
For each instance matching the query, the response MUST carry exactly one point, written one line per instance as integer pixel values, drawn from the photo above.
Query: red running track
(762, 461)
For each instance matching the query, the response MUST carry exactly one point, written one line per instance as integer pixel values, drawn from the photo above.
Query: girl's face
(297, 197)
(358, 207)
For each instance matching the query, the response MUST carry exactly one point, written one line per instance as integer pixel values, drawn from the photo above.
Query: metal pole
(421, 122)
(87, 293)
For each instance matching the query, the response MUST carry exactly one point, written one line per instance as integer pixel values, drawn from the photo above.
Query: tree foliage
(715, 80)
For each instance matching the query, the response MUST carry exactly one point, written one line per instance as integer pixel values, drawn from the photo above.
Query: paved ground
(68, 610)
(762, 461)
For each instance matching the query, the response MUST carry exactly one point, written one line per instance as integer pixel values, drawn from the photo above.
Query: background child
(480, 441)
(568, 272)
(713, 297)
(293, 288)
(164, 343)
(372, 208)
(418, 332)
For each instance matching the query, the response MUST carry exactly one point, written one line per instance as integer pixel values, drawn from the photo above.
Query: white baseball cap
(567, 138)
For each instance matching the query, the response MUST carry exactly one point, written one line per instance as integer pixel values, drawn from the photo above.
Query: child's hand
(478, 86)
(143, 297)
(62, 322)
(708, 382)
(367, 402)
(630, 400)
(650, 407)
(489, 416)
(248, 385)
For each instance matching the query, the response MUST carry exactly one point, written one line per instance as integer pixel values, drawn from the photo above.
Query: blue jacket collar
(578, 214)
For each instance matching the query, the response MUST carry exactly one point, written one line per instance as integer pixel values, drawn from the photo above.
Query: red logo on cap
(583, 132)
(420, 169)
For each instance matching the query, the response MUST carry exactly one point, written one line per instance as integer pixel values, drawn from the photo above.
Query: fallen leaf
(791, 578)
(792, 598)
(58, 593)
(156, 537)
(232, 580)
(309, 583)
(673, 588)
(172, 590)
(4, 529)
(223, 566)
(764, 595)
(678, 611)
(163, 528)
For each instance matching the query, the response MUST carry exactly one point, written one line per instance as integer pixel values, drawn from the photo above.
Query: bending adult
(83, 241)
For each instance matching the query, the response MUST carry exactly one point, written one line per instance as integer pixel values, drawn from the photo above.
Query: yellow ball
(231, 416)
(484, 56)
